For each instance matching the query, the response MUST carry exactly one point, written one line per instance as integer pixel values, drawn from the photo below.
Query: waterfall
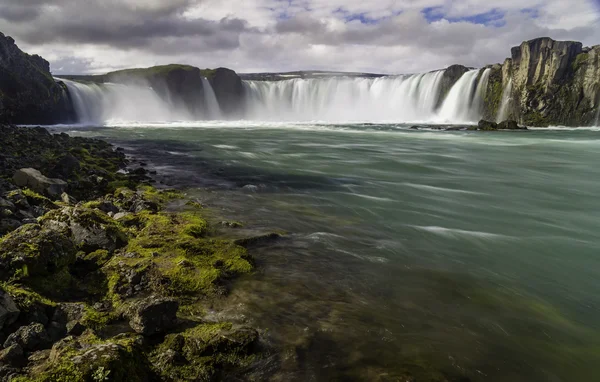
(477, 106)
(399, 99)
(457, 106)
(504, 105)
(210, 100)
(411, 98)
(97, 104)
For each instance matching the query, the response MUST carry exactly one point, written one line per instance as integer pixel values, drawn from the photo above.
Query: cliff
(28, 93)
(553, 83)
(182, 85)
(229, 91)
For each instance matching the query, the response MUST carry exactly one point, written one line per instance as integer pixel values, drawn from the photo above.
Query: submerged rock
(35, 180)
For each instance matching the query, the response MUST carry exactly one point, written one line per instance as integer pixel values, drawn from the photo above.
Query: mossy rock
(204, 352)
(89, 358)
(32, 251)
(173, 255)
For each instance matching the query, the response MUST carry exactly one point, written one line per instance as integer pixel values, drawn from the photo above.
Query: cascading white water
(116, 103)
(394, 98)
(506, 98)
(457, 106)
(598, 116)
(210, 100)
(477, 106)
(411, 98)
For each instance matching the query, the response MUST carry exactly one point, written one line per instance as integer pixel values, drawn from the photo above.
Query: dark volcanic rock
(229, 91)
(179, 84)
(487, 125)
(40, 251)
(8, 310)
(29, 338)
(153, 315)
(35, 180)
(28, 93)
(451, 75)
(510, 125)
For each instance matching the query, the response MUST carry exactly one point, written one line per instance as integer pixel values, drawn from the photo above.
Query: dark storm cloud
(159, 26)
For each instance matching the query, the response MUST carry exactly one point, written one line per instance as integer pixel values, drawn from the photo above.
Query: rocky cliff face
(451, 75)
(229, 91)
(179, 84)
(28, 93)
(553, 83)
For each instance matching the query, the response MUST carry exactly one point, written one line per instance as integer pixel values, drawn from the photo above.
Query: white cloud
(389, 36)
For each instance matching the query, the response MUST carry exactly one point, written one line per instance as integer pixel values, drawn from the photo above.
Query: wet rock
(153, 315)
(510, 125)
(31, 337)
(8, 310)
(487, 125)
(13, 356)
(240, 339)
(258, 240)
(35, 180)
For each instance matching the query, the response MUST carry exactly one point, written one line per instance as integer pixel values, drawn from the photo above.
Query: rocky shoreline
(103, 277)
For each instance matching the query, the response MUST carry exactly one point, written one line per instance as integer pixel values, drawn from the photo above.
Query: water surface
(439, 255)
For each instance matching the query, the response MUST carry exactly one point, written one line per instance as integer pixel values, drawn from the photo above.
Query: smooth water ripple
(431, 254)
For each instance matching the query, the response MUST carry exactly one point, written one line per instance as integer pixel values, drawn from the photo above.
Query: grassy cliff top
(151, 72)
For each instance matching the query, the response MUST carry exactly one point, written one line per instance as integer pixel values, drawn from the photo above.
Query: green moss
(176, 246)
(96, 320)
(24, 297)
(35, 199)
(208, 73)
(119, 359)
(580, 60)
(149, 72)
(205, 353)
(535, 118)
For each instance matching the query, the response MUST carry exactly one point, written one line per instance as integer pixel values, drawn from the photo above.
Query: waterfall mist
(410, 98)
(504, 105)
(405, 99)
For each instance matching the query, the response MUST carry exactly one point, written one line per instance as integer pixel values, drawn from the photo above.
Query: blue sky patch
(494, 17)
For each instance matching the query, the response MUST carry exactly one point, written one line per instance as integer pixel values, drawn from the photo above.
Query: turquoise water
(441, 255)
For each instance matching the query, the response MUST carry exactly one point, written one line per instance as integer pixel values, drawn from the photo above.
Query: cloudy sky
(383, 36)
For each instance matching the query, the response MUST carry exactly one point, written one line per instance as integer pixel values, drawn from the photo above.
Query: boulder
(13, 356)
(487, 125)
(90, 229)
(29, 338)
(35, 180)
(153, 315)
(8, 310)
(32, 251)
(510, 125)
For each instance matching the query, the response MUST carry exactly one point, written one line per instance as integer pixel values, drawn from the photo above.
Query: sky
(377, 36)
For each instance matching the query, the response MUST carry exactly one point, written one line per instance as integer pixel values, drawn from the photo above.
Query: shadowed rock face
(28, 93)
(451, 75)
(229, 91)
